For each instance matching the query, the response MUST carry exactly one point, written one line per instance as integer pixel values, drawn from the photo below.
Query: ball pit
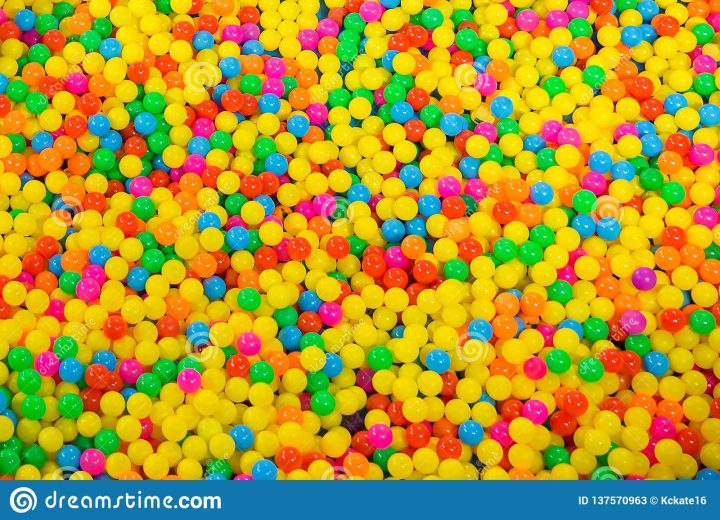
(362, 239)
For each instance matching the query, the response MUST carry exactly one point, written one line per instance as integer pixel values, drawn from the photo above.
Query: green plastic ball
(380, 358)
(219, 467)
(165, 369)
(29, 381)
(558, 361)
(605, 473)
(39, 53)
(9, 462)
(149, 384)
(322, 403)
(672, 192)
(595, 329)
(33, 407)
(591, 369)
(65, 347)
(651, 179)
(34, 455)
(560, 291)
(286, 316)
(530, 253)
(702, 322)
(456, 269)
(638, 343)
(143, 208)
(317, 381)
(107, 441)
(584, 201)
(70, 406)
(68, 281)
(154, 102)
(542, 235)
(381, 457)
(17, 90)
(249, 299)
(505, 250)
(431, 18)
(19, 358)
(262, 372)
(555, 455)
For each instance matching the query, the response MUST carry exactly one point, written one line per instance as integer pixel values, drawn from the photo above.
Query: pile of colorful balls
(359, 239)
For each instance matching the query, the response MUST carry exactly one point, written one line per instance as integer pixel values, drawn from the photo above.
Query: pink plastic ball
(76, 83)
(92, 461)
(394, 257)
(330, 313)
(141, 186)
(249, 343)
(275, 68)
(47, 364)
(371, 11)
(130, 370)
(633, 322)
(527, 20)
(485, 83)
(95, 272)
(189, 380)
(535, 368)
(535, 410)
(379, 436)
(87, 289)
(500, 431)
(448, 186)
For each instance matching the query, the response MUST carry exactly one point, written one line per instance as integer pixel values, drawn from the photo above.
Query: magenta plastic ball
(448, 186)
(141, 186)
(189, 380)
(535, 368)
(644, 278)
(249, 343)
(500, 431)
(706, 216)
(87, 289)
(633, 322)
(92, 461)
(130, 370)
(330, 313)
(379, 436)
(535, 410)
(47, 363)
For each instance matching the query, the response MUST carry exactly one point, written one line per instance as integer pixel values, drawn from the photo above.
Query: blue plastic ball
(656, 363)
(243, 437)
(471, 432)
(264, 470)
(230, 67)
(501, 106)
(438, 361)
